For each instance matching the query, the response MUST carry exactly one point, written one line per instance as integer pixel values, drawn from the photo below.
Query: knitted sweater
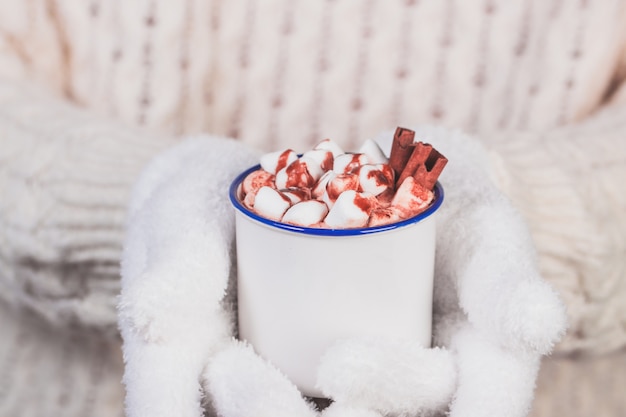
(530, 78)
(541, 83)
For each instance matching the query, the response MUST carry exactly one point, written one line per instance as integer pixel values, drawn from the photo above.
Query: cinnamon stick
(401, 149)
(419, 156)
(427, 173)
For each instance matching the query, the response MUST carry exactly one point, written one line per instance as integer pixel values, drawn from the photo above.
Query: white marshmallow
(256, 180)
(297, 194)
(248, 200)
(373, 178)
(323, 157)
(306, 213)
(275, 161)
(314, 167)
(320, 187)
(383, 216)
(298, 174)
(270, 203)
(373, 152)
(329, 145)
(351, 209)
(411, 198)
(347, 162)
(282, 178)
(339, 184)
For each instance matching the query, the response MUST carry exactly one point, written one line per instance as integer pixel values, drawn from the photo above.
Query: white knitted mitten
(173, 313)
(493, 315)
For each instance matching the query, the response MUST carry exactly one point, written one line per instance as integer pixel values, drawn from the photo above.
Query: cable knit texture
(47, 372)
(567, 183)
(68, 176)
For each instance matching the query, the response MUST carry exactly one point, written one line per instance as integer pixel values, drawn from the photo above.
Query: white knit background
(288, 73)
(282, 73)
(285, 72)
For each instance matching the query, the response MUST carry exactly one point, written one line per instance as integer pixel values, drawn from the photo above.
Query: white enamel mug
(301, 289)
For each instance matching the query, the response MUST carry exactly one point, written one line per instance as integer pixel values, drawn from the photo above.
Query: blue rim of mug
(233, 193)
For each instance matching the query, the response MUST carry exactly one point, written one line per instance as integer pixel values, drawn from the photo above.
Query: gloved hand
(493, 315)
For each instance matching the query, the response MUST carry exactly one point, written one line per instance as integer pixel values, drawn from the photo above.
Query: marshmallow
(373, 152)
(297, 194)
(320, 186)
(329, 145)
(297, 175)
(352, 209)
(375, 179)
(411, 198)
(256, 180)
(384, 198)
(324, 158)
(248, 200)
(348, 162)
(275, 161)
(307, 213)
(383, 215)
(270, 203)
(313, 166)
(339, 184)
